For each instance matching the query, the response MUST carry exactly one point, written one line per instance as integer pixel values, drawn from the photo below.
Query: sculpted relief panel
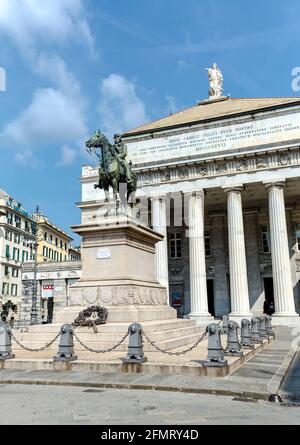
(117, 295)
(224, 167)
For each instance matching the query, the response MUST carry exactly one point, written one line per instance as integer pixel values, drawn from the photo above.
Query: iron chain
(36, 349)
(177, 354)
(101, 351)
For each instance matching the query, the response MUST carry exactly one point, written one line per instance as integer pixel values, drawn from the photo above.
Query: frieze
(219, 168)
(116, 295)
(241, 165)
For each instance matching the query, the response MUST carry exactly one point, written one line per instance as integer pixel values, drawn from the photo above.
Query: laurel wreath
(83, 319)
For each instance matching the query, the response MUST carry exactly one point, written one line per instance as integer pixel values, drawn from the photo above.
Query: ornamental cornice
(232, 165)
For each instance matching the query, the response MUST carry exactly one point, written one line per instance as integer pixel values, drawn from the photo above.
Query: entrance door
(211, 297)
(269, 289)
(50, 304)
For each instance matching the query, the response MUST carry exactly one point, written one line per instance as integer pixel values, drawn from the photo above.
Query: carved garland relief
(216, 168)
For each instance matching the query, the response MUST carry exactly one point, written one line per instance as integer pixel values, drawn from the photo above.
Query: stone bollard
(255, 324)
(263, 327)
(225, 320)
(66, 345)
(269, 328)
(246, 338)
(135, 345)
(233, 344)
(215, 356)
(5, 342)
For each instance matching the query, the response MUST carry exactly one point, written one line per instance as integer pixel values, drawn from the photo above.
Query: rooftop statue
(114, 170)
(216, 81)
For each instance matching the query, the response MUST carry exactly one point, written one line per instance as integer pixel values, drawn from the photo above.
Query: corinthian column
(198, 285)
(239, 292)
(283, 287)
(159, 224)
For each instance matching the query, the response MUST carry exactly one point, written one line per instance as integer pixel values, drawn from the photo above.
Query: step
(150, 326)
(167, 344)
(90, 336)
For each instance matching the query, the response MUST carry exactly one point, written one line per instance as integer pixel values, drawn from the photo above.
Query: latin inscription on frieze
(215, 140)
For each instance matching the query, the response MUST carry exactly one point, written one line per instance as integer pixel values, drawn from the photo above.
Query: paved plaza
(45, 405)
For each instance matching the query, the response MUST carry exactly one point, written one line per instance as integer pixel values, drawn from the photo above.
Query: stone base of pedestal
(283, 320)
(123, 313)
(202, 319)
(239, 317)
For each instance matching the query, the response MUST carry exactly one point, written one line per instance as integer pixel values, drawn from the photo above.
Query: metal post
(225, 320)
(233, 344)
(246, 338)
(5, 342)
(135, 345)
(269, 328)
(262, 327)
(33, 315)
(255, 331)
(215, 356)
(66, 345)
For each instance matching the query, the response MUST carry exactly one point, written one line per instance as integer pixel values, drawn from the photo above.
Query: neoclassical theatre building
(223, 184)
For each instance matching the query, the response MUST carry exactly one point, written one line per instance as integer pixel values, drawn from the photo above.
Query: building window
(15, 272)
(7, 252)
(7, 234)
(6, 270)
(298, 236)
(45, 236)
(9, 218)
(61, 244)
(207, 245)
(175, 243)
(14, 290)
(16, 254)
(5, 289)
(265, 239)
(18, 221)
(17, 238)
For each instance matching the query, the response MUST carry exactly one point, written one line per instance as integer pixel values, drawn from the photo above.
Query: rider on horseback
(121, 154)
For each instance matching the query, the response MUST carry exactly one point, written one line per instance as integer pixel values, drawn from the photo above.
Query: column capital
(235, 188)
(158, 196)
(274, 184)
(194, 193)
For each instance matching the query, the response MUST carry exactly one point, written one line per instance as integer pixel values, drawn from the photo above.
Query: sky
(73, 66)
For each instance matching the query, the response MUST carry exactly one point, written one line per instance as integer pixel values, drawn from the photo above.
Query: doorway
(50, 304)
(269, 289)
(211, 297)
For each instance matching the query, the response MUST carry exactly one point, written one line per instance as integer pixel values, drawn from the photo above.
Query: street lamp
(33, 314)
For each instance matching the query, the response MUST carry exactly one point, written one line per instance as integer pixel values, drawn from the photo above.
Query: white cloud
(31, 23)
(27, 157)
(120, 107)
(56, 115)
(51, 117)
(68, 156)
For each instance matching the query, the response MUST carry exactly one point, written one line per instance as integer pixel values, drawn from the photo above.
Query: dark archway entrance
(211, 297)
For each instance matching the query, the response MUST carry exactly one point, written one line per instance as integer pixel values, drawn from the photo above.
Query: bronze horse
(111, 169)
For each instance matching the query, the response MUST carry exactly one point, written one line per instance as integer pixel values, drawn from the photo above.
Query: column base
(289, 320)
(237, 317)
(201, 319)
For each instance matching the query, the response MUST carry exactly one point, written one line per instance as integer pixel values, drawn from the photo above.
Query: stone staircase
(168, 334)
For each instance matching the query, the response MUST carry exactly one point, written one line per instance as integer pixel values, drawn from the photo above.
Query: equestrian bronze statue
(114, 170)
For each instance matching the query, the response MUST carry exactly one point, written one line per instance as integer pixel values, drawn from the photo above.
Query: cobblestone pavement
(86, 406)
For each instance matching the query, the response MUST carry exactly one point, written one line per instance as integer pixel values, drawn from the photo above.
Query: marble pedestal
(118, 257)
